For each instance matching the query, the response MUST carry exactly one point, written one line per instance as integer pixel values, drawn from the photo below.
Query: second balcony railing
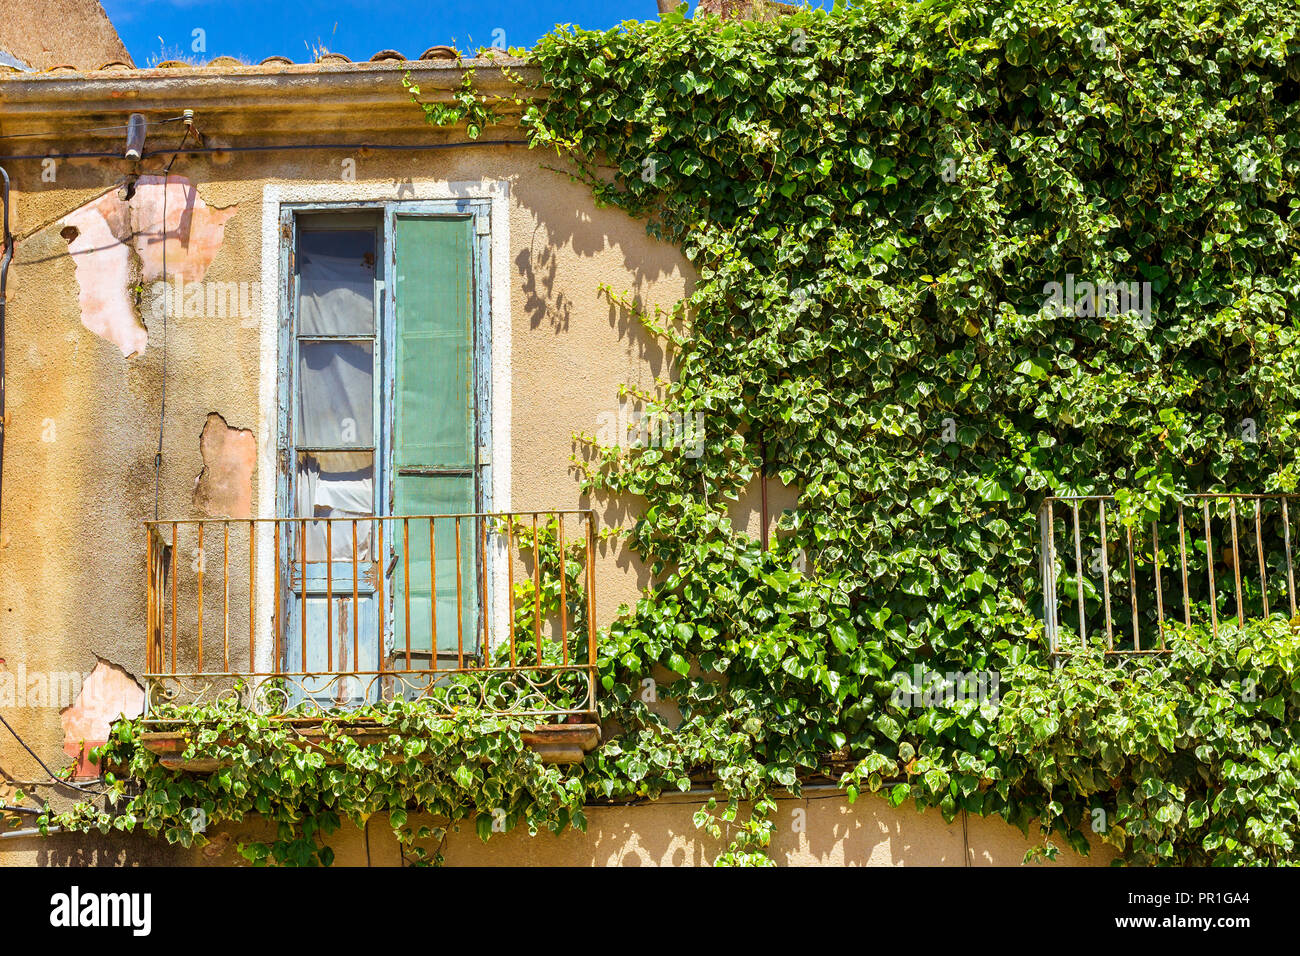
(1212, 559)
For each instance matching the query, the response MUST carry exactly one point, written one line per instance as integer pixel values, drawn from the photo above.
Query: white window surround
(407, 192)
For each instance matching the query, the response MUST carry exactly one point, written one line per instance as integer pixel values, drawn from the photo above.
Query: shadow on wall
(813, 830)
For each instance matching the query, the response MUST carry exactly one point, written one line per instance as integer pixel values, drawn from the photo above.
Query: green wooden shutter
(434, 440)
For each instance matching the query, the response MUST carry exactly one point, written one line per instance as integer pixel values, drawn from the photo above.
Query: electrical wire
(23, 743)
(72, 132)
(281, 148)
(54, 779)
(162, 411)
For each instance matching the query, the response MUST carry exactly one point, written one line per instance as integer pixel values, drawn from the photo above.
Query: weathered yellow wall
(79, 453)
(83, 431)
(820, 829)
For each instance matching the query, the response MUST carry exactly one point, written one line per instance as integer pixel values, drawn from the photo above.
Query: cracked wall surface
(120, 246)
(224, 488)
(108, 693)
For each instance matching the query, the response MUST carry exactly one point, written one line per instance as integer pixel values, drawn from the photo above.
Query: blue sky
(255, 29)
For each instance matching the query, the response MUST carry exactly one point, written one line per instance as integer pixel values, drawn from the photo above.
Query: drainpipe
(30, 832)
(5, 259)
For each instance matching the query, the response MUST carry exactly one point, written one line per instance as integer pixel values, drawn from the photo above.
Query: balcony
(303, 617)
(1214, 559)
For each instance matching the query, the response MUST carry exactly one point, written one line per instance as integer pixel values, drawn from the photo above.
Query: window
(384, 386)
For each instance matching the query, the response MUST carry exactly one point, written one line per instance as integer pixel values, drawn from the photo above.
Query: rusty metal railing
(1179, 544)
(335, 612)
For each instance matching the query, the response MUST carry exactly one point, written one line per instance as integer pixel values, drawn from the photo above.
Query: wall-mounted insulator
(188, 116)
(135, 131)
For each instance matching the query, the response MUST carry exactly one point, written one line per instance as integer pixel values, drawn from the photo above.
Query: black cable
(287, 147)
(54, 779)
(6, 257)
(23, 743)
(162, 411)
(93, 129)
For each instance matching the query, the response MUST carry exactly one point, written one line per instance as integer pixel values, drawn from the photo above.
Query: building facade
(296, 306)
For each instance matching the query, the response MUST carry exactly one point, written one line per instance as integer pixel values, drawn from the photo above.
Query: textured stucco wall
(820, 829)
(83, 433)
(84, 408)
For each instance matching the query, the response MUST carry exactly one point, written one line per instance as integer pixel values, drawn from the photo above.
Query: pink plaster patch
(224, 488)
(103, 264)
(108, 693)
(192, 236)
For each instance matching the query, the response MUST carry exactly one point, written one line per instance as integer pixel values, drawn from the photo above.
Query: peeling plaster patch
(102, 234)
(224, 488)
(108, 693)
(103, 272)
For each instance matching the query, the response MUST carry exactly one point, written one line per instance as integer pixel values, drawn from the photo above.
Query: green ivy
(466, 106)
(875, 198)
(472, 767)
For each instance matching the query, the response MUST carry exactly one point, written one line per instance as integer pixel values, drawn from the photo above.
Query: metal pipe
(1182, 560)
(564, 600)
(1236, 561)
(1160, 596)
(6, 256)
(1132, 587)
(1078, 578)
(1105, 574)
(1259, 549)
(273, 148)
(15, 834)
(510, 585)
(1290, 571)
(1209, 567)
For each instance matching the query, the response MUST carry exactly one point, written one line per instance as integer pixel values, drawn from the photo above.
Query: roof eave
(229, 100)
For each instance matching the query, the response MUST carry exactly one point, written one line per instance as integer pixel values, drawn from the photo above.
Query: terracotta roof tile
(440, 52)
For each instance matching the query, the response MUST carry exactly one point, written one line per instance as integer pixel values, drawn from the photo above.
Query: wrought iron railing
(302, 614)
(1204, 545)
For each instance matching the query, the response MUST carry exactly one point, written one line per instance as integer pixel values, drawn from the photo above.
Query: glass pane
(328, 668)
(438, 495)
(336, 282)
(435, 342)
(336, 394)
(335, 485)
